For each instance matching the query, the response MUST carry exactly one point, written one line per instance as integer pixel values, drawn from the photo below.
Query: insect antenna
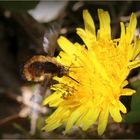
(72, 79)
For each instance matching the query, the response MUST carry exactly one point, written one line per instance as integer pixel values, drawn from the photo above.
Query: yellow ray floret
(97, 75)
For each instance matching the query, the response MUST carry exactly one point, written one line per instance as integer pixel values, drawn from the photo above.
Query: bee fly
(39, 67)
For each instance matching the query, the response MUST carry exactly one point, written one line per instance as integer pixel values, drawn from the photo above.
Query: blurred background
(24, 25)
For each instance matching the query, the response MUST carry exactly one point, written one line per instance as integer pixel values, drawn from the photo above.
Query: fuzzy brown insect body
(40, 67)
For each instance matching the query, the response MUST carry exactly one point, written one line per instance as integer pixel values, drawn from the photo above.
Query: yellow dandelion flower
(100, 68)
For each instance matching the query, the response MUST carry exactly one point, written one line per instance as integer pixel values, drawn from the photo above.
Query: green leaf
(135, 102)
(18, 5)
(136, 84)
(132, 117)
